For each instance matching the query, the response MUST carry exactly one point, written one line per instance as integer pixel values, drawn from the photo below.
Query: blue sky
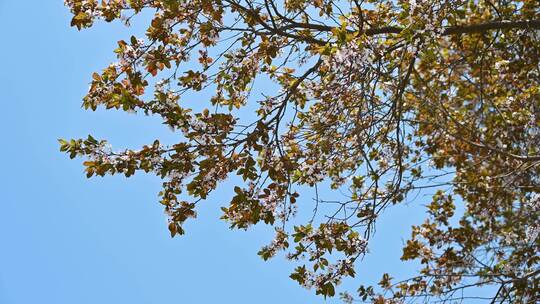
(68, 239)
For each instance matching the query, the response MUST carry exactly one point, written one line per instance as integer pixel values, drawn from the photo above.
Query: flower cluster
(533, 230)
(425, 17)
(330, 277)
(312, 172)
(166, 100)
(88, 7)
(279, 243)
(316, 243)
(212, 177)
(102, 152)
(86, 11)
(349, 58)
(201, 132)
(129, 54)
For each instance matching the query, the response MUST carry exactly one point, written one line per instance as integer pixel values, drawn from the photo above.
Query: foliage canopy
(378, 99)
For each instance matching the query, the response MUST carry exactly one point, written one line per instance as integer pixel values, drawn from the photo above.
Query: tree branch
(451, 30)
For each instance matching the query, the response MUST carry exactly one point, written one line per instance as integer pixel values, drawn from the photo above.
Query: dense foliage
(379, 99)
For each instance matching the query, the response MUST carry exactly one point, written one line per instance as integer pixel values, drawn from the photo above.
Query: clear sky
(68, 239)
